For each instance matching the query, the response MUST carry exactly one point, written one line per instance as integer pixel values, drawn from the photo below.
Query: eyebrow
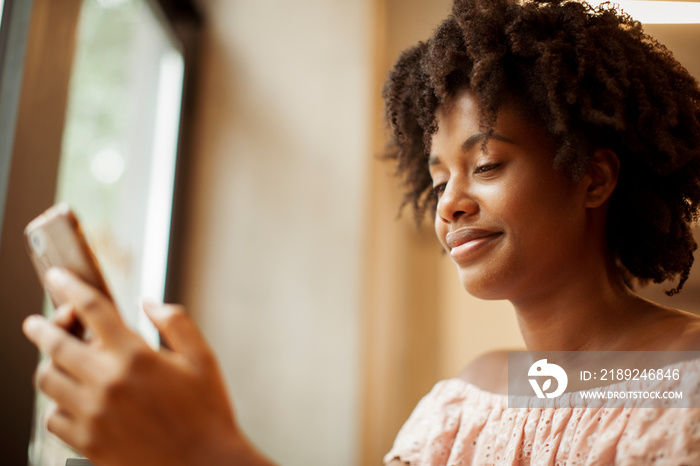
(470, 143)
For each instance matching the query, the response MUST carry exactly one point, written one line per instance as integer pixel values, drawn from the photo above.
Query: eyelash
(486, 168)
(439, 189)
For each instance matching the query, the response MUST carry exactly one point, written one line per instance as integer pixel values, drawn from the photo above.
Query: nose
(455, 202)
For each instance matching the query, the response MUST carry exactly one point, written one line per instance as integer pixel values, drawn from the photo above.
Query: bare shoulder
(663, 328)
(689, 338)
(489, 371)
(676, 330)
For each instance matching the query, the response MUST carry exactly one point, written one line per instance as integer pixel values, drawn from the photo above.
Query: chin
(484, 285)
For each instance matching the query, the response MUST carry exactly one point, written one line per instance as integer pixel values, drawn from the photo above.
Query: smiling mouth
(466, 242)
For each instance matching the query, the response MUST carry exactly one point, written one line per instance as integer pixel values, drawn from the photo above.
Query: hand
(65, 318)
(119, 402)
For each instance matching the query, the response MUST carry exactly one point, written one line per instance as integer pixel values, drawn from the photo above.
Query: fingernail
(153, 309)
(148, 304)
(57, 277)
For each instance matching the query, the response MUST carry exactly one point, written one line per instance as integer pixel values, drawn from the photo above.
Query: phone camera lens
(38, 242)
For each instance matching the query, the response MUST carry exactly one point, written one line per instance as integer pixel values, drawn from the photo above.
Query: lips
(466, 242)
(465, 235)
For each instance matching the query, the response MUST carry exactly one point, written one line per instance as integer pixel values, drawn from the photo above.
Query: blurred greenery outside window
(118, 160)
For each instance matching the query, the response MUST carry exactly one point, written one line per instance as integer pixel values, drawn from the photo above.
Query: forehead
(459, 120)
(463, 106)
(456, 118)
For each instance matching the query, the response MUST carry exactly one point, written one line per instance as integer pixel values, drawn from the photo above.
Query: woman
(559, 148)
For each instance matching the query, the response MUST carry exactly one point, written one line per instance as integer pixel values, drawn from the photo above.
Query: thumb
(180, 333)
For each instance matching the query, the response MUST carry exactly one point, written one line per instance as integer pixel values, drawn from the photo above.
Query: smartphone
(55, 239)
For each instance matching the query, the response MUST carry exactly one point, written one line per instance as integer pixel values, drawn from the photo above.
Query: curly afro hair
(593, 79)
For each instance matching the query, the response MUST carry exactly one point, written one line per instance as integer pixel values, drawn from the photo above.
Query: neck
(591, 310)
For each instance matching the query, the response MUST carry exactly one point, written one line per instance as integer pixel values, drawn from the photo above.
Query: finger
(63, 316)
(66, 318)
(93, 308)
(58, 386)
(61, 424)
(179, 331)
(70, 354)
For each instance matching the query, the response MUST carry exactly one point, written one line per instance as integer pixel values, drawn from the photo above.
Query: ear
(601, 178)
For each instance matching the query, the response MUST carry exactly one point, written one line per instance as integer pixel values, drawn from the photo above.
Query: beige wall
(275, 228)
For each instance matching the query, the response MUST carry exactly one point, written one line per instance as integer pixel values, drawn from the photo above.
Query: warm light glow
(658, 12)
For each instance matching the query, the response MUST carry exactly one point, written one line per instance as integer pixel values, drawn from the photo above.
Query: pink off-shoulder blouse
(457, 423)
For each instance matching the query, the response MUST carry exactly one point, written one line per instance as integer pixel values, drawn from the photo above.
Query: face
(512, 224)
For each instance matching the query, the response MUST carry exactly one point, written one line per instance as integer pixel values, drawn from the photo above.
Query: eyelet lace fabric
(457, 423)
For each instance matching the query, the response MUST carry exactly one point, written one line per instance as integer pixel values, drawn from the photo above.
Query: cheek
(530, 206)
(548, 217)
(503, 204)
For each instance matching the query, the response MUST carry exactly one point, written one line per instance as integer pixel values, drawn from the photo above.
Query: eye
(486, 168)
(439, 189)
